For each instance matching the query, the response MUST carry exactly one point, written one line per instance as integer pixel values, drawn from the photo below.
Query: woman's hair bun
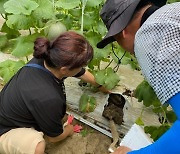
(41, 48)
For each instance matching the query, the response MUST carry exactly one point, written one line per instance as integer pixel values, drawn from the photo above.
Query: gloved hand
(70, 119)
(76, 128)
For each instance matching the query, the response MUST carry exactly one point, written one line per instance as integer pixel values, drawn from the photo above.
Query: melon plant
(87, 103)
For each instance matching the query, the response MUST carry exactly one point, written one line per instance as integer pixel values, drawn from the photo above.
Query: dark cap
(116, 15)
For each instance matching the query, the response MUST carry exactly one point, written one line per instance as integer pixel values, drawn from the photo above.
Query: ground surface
(92, 143)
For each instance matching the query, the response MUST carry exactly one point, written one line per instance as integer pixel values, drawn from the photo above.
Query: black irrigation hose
(119, 59)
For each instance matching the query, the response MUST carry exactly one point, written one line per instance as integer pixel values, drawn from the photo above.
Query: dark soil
(114, 109)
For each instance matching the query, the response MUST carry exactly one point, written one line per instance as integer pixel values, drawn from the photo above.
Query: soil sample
(114, 109)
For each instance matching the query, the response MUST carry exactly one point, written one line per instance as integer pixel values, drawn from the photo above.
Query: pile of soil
(114, 109)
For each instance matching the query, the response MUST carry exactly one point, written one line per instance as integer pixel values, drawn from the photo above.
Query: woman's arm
(68, 131)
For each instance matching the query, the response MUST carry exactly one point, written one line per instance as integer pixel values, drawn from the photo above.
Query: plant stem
(109, 64)
(27, 58)
(142, 112)
(3, 16)
(165, 118)
(82, 19)
(30, 31)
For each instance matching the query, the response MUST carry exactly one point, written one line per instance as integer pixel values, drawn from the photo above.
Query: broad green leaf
(45, 10)
(94, 62)
(100, 77)
(112, 79)
(107, 77)
(11, 33)
(8, 68)
(171, 116)
(155, 131)
(67, 4)
(76, 12)
(101, 28)
(2, 11)
(88, 20)
(3, 41)
(101, 53)
(93, 37)
(8, 48)
(145, 93)
(20, 6)
(93, 3)
(19, 22)
(24, 46)
(139, 121)
(87, 103)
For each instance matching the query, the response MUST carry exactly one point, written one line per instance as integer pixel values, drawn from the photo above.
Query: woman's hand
(122, 150)
(69, 129)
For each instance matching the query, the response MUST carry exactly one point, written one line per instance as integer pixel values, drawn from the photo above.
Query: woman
(33, 102)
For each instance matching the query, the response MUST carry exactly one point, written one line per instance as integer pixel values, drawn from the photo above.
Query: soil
(114, 109)
(89, 141)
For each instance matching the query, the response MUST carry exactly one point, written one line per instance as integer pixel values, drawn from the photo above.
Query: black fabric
(80, 73)
(116, 14)
(148, 12)
(33, 98)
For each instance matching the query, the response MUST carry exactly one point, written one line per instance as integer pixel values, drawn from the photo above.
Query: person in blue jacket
(151, 30)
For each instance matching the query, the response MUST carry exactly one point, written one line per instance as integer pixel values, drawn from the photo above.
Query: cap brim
(118, 25)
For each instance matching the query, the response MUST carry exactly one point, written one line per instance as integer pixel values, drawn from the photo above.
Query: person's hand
(122, 150)
(69, 129)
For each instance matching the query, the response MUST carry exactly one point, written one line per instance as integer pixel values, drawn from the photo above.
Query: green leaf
(101, 54)
(139, 121)
(88, 20)
(93, 3)
(11, 33)
(8, 68)
(94, 62)
(100, 77)
(24, 45)
(67, 4)
(19, 22)
(2, 11)
(3, 41)
(8, 48)
(41, 12)
(145, 93)
(101, 28)
(76, 12)
(112, 79)
(87, 103)
(107, 77)
(155, 131)
(171, 116)
(20, 6)
(93, 38)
